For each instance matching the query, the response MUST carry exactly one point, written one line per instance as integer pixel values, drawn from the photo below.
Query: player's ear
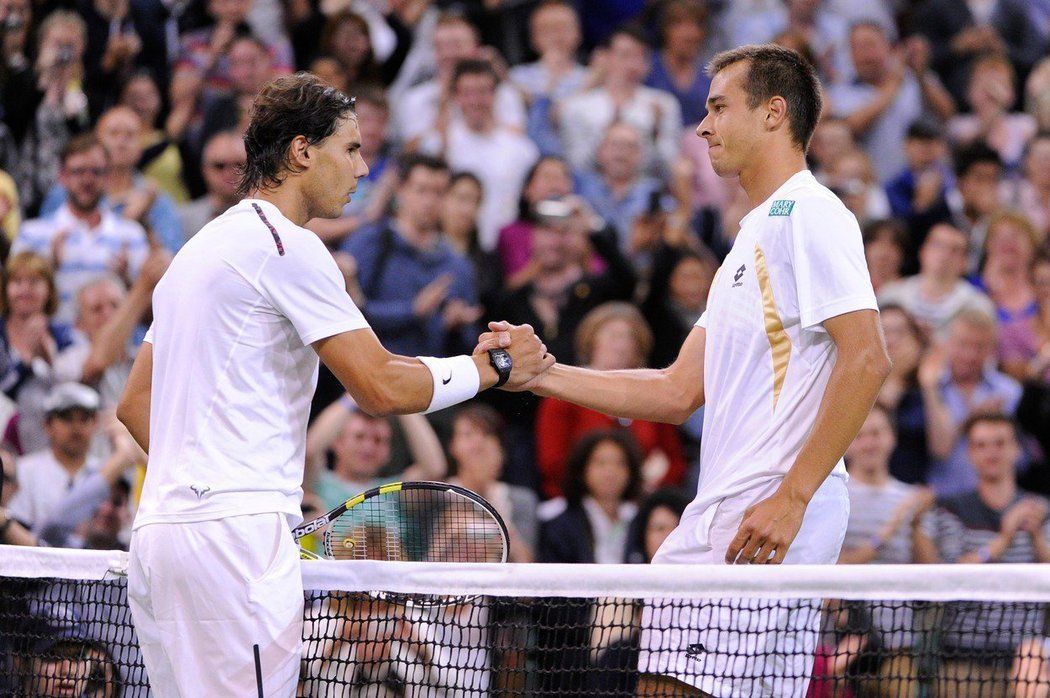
(776, 113)
(299, 154)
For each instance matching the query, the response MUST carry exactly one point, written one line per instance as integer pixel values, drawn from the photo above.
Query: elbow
(684, 401)
(124, 410)
(377, 404)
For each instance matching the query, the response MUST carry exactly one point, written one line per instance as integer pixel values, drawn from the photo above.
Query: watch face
(502, 360)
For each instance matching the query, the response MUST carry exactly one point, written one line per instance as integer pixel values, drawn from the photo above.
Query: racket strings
(416, 525)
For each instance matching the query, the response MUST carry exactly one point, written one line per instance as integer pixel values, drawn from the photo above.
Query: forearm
(648, 394)
(851, 391)
(112, 340)
(428, 457)
(1042, 549)
(941, 431)
(862, 119)
(923, 551)
(988, 553)
(324, 430)
(860, 555)
(937, 97)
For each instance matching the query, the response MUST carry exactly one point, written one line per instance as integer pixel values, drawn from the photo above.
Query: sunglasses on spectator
(223, 165)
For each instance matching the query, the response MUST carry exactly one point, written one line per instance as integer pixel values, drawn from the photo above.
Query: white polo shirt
(233, 369)
(43, 484)
(797, 261)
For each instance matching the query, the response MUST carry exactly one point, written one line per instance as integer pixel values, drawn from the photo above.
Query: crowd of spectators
(536, 161)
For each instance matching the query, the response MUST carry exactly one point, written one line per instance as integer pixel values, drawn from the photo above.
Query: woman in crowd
(613, 336)
(161, 160)
(678, 65)
(30, 341)
(900, 395)
(1010, 246)
(549, 178)
(477, 451)
(991, 93)
(459, 224)
(885, 241)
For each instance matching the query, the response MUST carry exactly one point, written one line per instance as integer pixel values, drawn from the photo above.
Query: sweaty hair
(776, 71)
(290, 106)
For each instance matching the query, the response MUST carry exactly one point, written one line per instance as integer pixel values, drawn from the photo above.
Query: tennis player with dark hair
(788, 359)
(220, 393)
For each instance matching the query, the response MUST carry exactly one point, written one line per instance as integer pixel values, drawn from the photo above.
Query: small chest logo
(739, 275)
(200, 491)
(781, 207)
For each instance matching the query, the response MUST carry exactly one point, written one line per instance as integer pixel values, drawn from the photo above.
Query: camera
(553, 210)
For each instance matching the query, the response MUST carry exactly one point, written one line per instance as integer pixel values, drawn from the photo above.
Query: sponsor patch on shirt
(781, 207)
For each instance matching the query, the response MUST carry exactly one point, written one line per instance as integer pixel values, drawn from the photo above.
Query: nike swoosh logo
(446, 381)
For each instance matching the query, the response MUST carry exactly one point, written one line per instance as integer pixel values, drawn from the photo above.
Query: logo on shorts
(695, 651)
(200, 491)
(781, 207)
(739, 274)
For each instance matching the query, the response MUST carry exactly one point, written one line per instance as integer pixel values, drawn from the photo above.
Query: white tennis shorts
(743, 647)
(218, 606)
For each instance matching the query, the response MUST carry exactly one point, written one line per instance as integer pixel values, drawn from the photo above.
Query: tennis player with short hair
(788, 358)
(220, 393)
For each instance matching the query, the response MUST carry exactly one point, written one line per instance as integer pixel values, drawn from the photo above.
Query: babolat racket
(411, 521)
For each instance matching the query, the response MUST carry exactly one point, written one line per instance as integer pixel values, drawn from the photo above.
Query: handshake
(527, 352)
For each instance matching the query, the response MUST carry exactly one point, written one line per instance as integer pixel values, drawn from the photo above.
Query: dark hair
(290, 106)
(975, 154)
(924, 130)
(574, 488)
(680, 12)
(666, 498)
(525, 211)
(875, 229)
(84, 143)
(484, 417)
(778, 71)
(368, 70)
(989, 418)
(409, 162)
(632, 30)
(473, 66)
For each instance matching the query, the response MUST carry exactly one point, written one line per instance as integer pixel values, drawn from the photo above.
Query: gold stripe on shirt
(779, 342)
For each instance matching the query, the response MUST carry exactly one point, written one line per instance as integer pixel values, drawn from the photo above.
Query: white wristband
(456, 379)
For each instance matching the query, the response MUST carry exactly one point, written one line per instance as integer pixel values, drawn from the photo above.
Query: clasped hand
(527, 352)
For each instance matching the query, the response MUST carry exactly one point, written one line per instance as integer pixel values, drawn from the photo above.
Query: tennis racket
(413, 522)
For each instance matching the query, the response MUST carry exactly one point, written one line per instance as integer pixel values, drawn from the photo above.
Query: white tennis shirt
(798, 260)
(233, 369)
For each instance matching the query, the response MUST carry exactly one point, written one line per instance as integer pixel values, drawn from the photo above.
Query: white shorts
(218, 606)
(744, 647)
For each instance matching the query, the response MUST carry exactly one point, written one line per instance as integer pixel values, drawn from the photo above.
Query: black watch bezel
(500, 360)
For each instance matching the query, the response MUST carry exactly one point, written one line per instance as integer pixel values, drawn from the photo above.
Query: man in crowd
(938, 292)
(500, 156)
(221, 163)
(991, 521)
(958, 381)
(887, 95)
(419, 292)
(84, 237)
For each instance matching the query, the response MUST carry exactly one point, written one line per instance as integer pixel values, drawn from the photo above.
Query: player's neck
(765, 175)
(287, 200)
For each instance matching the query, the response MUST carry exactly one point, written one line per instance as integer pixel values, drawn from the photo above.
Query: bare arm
(428, 458)
(656, 395)
(938, 98)
(323, 431)
(133, 410)
(862, 119)
(383, 384)
(770, 526)
(112, 340)
(941, 431)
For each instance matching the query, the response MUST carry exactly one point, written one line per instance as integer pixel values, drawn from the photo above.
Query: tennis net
(571, 630)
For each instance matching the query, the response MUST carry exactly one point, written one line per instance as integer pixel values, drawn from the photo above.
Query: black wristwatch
(500, 360)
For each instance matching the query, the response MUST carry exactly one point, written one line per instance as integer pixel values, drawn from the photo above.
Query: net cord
(1004, 583)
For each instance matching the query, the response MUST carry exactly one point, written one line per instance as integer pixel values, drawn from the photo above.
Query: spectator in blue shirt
(420, 295)
(678, 67)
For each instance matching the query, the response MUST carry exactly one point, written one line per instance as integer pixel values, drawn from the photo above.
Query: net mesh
(559, 630)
